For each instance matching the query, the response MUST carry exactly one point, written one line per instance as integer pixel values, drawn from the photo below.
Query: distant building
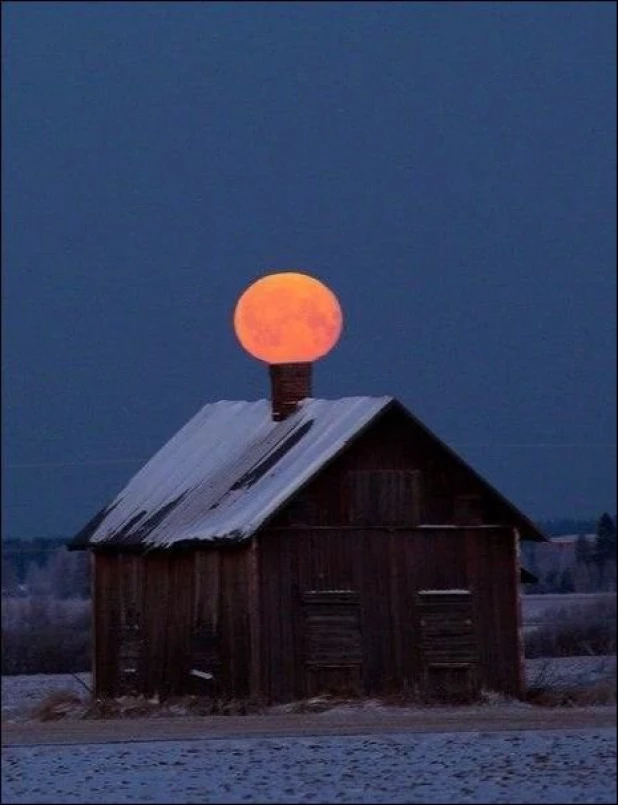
(560, 567)
(558, 554)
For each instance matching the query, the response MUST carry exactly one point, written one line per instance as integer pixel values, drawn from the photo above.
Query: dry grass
(58, 704)
(45, 635)
(554, 682)
(407, 695)
(222, 707)
(140, 706)
(67, 704)
(549, 690)
(598, 694)
(591, 632)
(317, 704)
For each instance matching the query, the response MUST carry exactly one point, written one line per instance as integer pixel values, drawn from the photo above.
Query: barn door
(449, 648)
(332, 638)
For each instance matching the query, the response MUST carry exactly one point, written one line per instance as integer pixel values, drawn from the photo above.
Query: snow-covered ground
(21, 693)
(514, 767)
(532, 765)
(575, 672)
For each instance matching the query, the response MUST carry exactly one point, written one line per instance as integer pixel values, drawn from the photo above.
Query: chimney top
(290, 383)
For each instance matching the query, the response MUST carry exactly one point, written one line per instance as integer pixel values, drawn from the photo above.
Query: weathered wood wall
(180, 609)
(387, 570)
(448, 493)
(321, 542)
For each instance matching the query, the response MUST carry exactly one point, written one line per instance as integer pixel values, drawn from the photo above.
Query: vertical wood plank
(96, 601)
(286, 617)
(475, 585)
(254, 619)
(395, 542)
(520, 665)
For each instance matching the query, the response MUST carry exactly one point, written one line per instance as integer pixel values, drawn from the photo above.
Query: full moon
(288, 318)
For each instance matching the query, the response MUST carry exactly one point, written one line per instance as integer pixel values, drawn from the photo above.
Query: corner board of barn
(391, 566)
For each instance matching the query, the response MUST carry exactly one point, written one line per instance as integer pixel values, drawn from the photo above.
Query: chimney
(290, 383)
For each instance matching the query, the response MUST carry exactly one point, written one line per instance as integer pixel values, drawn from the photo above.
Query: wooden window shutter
(332, 628)
(448, 644)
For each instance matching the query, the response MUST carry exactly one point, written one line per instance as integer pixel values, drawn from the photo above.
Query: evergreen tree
(69, 574)
(10, 580)
(583, 554)
(605, 546)
(551, 581)
(38, 580)
(567, 584)
(606, 538)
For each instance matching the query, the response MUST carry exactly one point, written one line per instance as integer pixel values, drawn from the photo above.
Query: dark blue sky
(449, 169)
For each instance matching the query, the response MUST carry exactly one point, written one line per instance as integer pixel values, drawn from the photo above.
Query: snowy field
(558, 673)
(479, 763)
(531, 765)
(514, 767)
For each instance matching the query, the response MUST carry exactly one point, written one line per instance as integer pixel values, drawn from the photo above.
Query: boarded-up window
(333, 646)
(449, 650)
(385, 497)
(332, 627)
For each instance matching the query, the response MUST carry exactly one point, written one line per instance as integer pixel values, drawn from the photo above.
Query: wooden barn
(273, 550)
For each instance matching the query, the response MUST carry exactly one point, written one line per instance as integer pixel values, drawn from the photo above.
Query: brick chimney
(290, 383)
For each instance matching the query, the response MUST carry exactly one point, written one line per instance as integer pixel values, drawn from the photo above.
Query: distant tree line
(592, 565)
(44, 567)
(602, 552)
(568, 525)
(45, 607)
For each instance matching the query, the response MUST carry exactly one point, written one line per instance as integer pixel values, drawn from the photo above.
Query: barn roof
(231, 467)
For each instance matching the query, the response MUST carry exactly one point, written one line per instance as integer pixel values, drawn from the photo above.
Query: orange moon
(288, 318)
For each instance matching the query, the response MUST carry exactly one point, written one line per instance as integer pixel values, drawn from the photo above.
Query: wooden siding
(332, 628)
(384, 497)
(386, 570)
(492, 564)
(437, 489)
(183, 610)
(330, 546)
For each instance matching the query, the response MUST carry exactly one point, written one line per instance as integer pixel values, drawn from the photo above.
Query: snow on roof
(228, 470)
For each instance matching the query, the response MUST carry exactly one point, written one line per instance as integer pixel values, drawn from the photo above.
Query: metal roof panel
(229, 469)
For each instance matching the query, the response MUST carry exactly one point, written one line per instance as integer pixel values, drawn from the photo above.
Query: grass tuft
(590, 632)
(603, 693)
(56, 705)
